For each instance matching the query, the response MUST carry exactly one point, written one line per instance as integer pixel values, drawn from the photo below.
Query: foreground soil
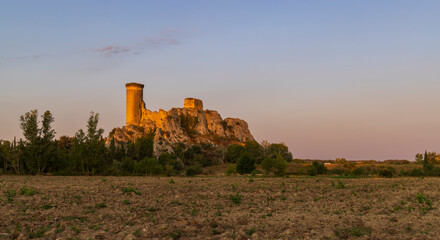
(218, 208)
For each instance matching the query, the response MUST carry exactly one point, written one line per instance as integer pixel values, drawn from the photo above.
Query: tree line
(86, 153)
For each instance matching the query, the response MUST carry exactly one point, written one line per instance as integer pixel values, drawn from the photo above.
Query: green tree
(170, 163)
(39, 148)
(233, 153)
(89, 151)
(320, 167)
(152, 167)
(255, 150)
(245, 163)
(276, 165)
(275, 149)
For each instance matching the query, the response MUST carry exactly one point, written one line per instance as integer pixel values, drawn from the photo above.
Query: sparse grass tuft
(129, 190)
(236, 199)
(340, 185)
(27, 191)
(250, 231)
(100, 205)
(10, 194)
(357, 231)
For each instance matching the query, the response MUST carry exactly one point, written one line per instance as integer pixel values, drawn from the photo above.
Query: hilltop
(188, 125)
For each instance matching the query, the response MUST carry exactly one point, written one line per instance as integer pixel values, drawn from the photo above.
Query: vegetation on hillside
(86, 153)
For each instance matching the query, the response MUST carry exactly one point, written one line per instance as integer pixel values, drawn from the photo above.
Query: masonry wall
(134, 103)
(193, 103)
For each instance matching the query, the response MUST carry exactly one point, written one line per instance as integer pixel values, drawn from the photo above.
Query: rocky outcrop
(189, 125)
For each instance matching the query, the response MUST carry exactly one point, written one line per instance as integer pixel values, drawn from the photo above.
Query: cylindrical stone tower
(134, 100)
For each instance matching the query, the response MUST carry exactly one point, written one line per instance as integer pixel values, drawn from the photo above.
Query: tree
(245, 163)
(254, 149)
(320, 167)
(89, 151)
(275, 165)
(419, 158)
(95, 145)
(153, 168)
(233, 153)
(39, 147)
(275, 149)
(9, 155)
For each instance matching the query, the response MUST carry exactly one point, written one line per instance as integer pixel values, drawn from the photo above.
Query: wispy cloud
(111, 50)
(161, 40)
(166, 38)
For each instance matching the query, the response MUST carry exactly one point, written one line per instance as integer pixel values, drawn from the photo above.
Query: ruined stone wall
(188, 125)
(193, 103)
(134, 103)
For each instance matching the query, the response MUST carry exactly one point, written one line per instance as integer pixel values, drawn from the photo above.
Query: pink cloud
(111, 50)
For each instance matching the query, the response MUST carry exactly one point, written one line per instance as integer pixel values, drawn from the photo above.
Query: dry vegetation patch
(218, 208)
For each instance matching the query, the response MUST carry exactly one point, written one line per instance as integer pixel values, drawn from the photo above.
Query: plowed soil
(218, 208)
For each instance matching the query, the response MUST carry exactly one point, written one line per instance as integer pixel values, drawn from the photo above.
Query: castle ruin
(134, 103)
(191, 124)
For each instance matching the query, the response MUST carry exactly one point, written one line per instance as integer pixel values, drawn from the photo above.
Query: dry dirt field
(218, 208)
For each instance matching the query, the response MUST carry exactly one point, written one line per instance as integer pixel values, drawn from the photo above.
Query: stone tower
(134, 103)
(193, 103)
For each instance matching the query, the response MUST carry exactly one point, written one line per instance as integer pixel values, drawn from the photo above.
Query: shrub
(434, 172)
(10, 194)
(236, 199)
(193, 170)
(254, 149)
(250, 231)
(152, 167)
(169, 170)
(129, 190)
(233, 153)
(311, 170)
(320, 167)
(361, 171)
(340, 185)
(416, 172)
(27, 191)
(386, 173)
(231, 169)
(245, 164)
(170, 163)
(276, 165)
(128, 165)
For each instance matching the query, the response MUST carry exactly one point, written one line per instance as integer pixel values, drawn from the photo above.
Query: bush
(231, 169)
(254, 149)
(193, 170)
(236, 199)
(127, 165)
(276, 165)
(361, 171)
(320, 167)
(152, 167)
(245, 164)
(415, 172)
(386, 173)
(433, 172)
(170, 163)
(233, 153)
(311, 170)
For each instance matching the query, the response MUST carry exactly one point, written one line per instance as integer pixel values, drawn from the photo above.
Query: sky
(352, 79)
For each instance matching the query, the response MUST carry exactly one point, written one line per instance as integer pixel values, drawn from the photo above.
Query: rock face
(189, 125)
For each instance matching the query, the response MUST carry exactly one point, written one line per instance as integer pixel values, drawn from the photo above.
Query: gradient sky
(353, 79)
